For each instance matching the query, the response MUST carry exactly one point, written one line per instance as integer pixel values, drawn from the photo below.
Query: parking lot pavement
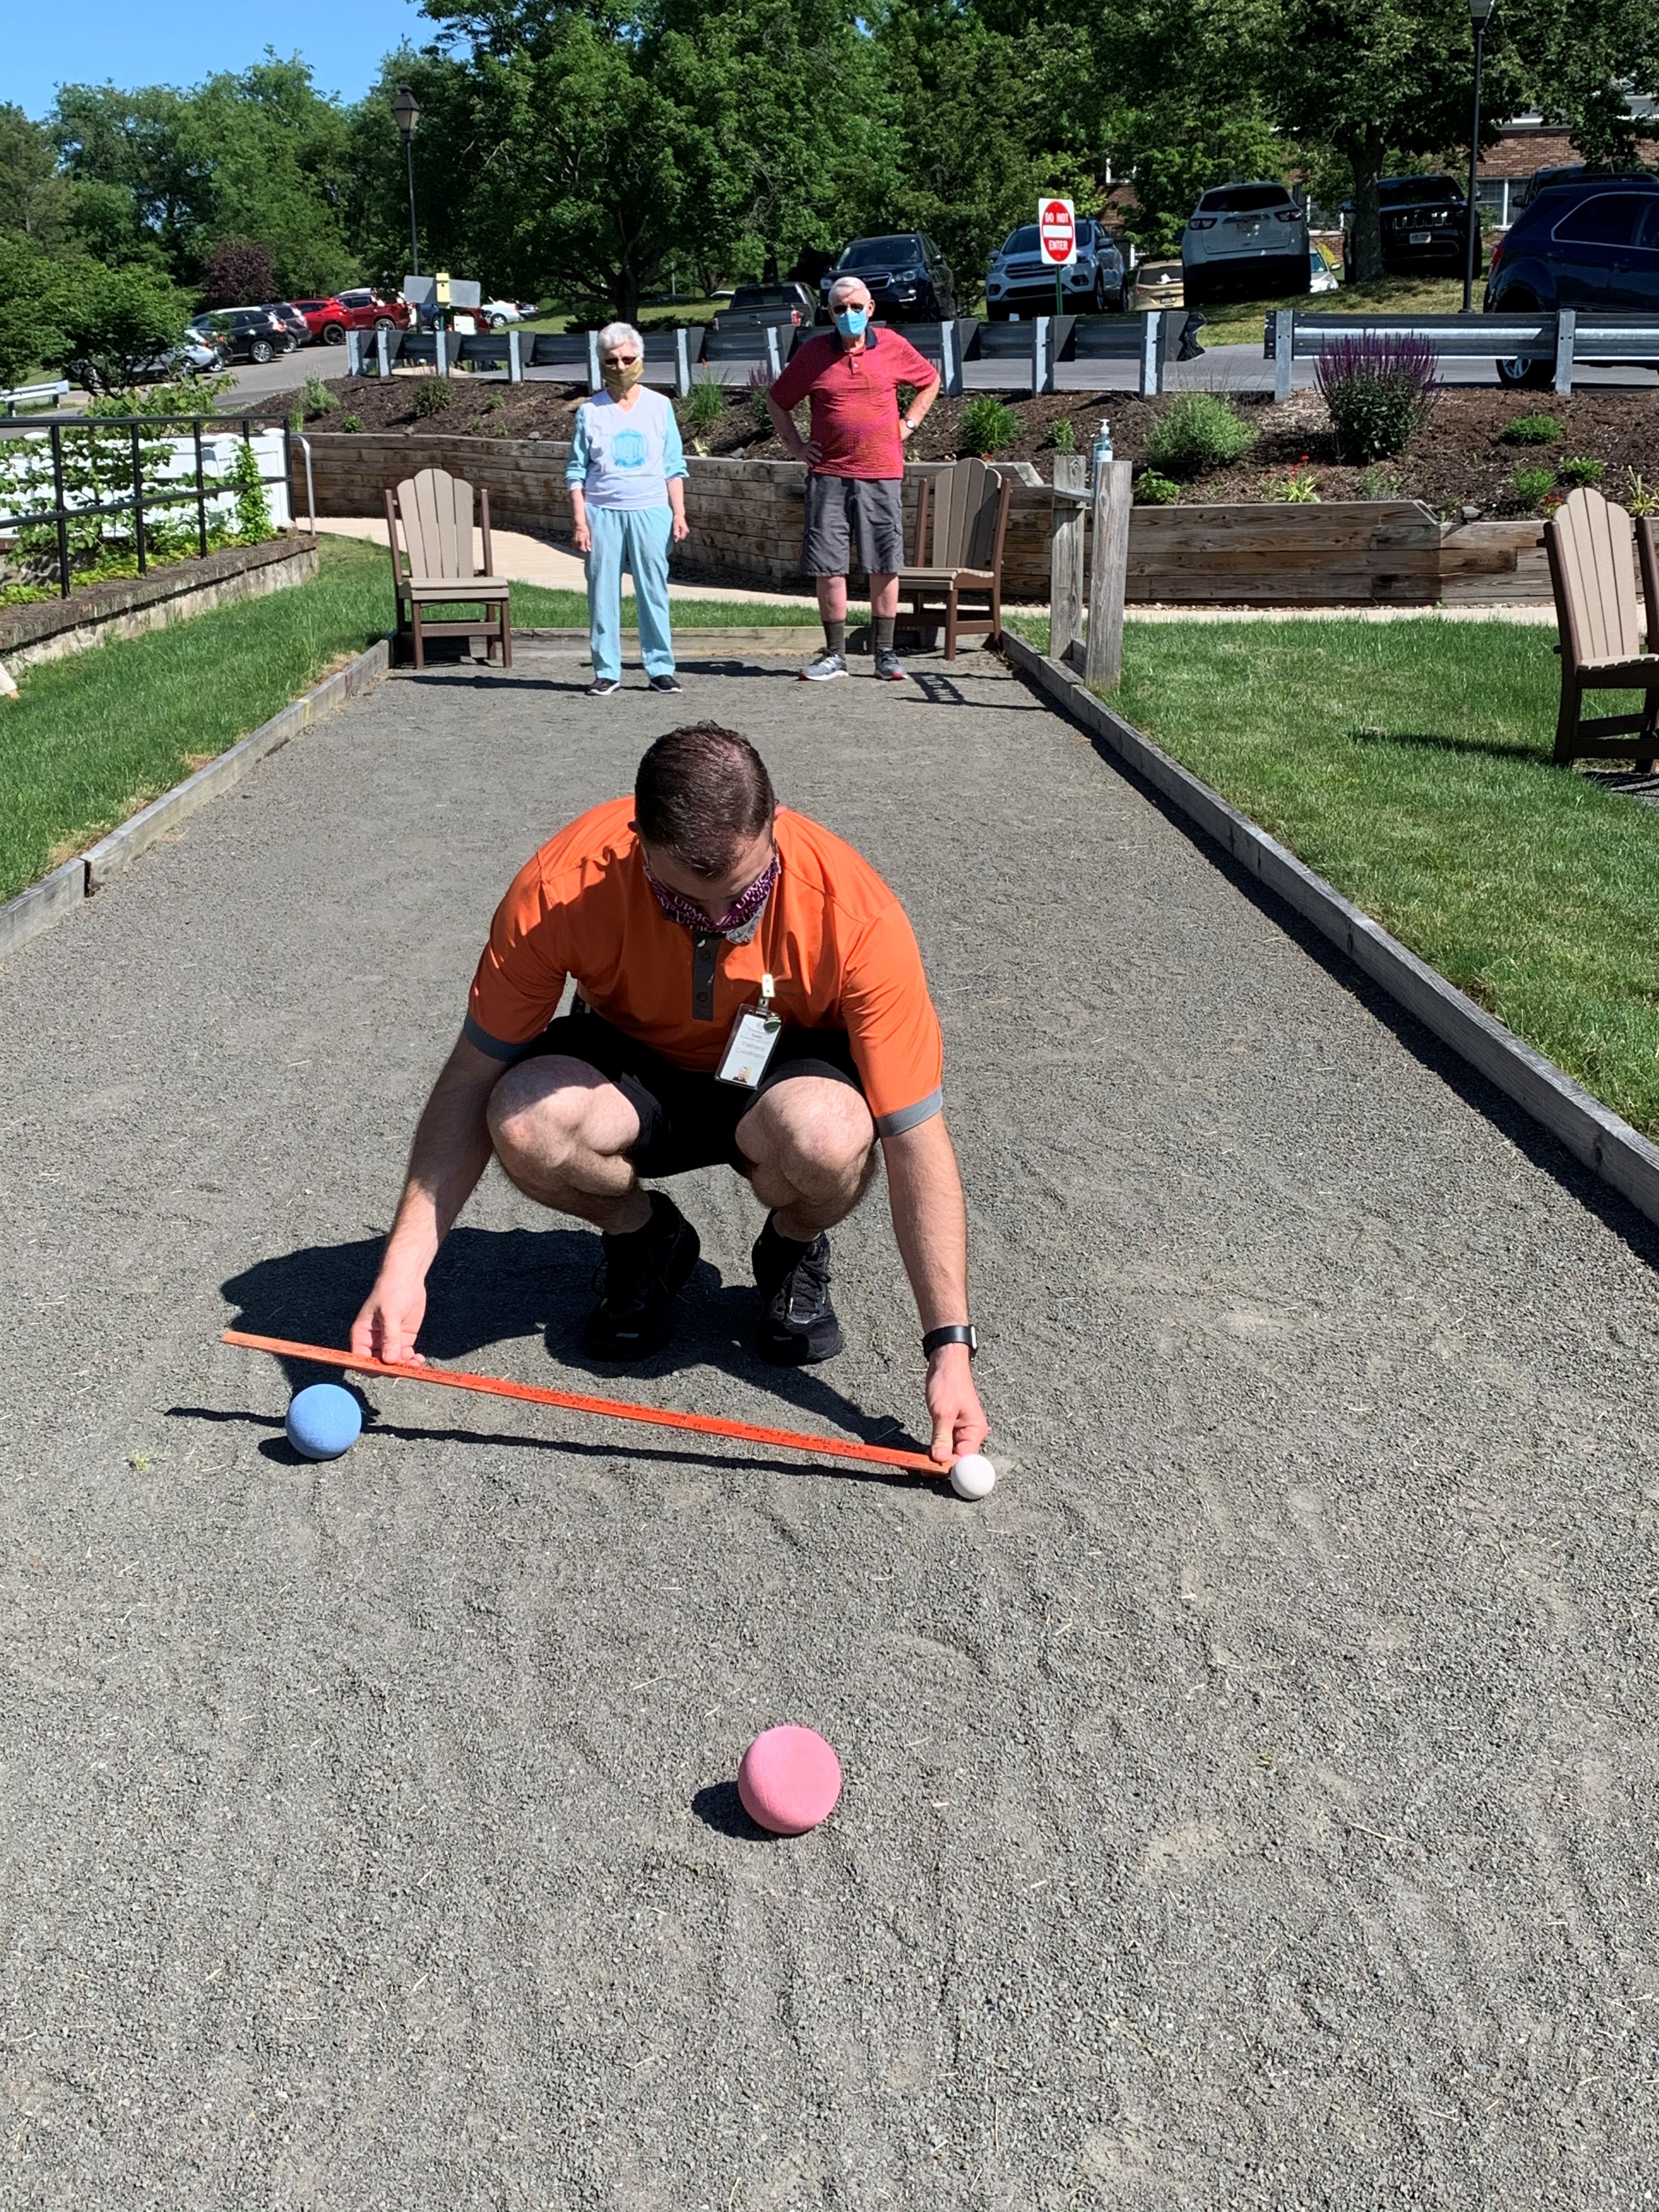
(1249, 1804)
(287, 373)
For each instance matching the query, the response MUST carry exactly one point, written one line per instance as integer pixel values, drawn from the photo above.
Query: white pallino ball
(973, 1476)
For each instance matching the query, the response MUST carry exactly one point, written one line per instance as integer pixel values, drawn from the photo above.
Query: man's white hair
(616, 334)
(844, 287)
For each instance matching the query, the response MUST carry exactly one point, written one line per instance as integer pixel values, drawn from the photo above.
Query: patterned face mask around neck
(740, 921)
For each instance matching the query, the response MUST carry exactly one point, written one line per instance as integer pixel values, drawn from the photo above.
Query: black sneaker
(603, 686)
(667, 684)
(797, 1323)
(642, 1274)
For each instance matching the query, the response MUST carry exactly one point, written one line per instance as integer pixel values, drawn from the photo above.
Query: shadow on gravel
(720, 1807)
(1596, 1197)
(490, 1286)
(278, 1448)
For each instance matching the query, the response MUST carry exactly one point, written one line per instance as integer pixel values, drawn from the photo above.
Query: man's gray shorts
(842, 511)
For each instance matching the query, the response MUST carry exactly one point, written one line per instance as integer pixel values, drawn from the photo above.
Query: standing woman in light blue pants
(627, 478)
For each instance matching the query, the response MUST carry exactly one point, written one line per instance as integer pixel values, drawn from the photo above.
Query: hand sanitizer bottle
(1102, 450)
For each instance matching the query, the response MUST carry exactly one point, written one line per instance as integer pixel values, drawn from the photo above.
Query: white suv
(1248, 240)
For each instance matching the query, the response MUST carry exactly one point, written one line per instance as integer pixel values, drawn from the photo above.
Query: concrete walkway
(1249, 1805)
(531, 560)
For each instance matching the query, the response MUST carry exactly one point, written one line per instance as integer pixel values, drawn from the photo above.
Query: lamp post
(1479, 12)
(406, 110)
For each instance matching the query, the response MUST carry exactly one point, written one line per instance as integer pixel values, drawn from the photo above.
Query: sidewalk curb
(1592, 1133)
(43, 904)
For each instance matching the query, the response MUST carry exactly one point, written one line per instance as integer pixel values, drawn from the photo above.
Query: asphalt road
(1251, 1804)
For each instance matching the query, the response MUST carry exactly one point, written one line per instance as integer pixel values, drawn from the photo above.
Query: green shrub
(705, 405)
(1377, 392)
(1063, 436)
(1378, 483)
(351, 421)
(316, 398)
(1196, 431)
(1581, 469)
(988, 425)
(1528, 486)
(1532, 430)
(432, 399)
(254, 521)
(1152, 490)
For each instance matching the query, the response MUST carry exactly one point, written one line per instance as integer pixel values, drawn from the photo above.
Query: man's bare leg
(560, 1131)
(813, 1146)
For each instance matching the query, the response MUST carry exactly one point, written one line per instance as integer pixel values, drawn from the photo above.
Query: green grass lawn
(93, 737)
(1408, 763)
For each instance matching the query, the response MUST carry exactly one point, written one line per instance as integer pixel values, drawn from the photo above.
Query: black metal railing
(148, 492)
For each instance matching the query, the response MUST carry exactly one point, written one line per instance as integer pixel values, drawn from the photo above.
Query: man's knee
(815, 1132)
(545, 1113)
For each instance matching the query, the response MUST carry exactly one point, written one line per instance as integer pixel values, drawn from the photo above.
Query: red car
(362, 309)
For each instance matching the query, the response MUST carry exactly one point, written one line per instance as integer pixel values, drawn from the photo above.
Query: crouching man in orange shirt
(748, 991)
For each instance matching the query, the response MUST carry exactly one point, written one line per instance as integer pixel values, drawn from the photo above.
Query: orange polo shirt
(835, 941)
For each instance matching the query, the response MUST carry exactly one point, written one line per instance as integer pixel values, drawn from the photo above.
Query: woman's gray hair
(616, 334)
(845, 284)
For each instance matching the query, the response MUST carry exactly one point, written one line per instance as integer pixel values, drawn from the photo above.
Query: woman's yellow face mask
(620, 375)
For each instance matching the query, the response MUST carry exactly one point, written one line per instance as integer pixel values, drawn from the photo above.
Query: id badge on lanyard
(754, 1036)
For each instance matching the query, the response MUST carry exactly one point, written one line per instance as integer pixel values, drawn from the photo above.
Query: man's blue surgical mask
(850, 321)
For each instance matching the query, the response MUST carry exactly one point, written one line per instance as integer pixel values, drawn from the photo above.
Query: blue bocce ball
(323, 1421)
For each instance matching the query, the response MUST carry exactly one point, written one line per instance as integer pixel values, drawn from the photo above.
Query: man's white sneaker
(826, 666)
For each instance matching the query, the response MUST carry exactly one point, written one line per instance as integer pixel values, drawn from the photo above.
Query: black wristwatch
(954, 1332)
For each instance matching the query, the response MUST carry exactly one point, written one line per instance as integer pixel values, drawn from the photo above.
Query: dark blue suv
(1593, 245)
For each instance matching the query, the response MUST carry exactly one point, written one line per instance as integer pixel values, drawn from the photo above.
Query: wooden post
(949, 372)
(1108, 573)
(1152, 365)
(594, 379)
(383, 352)
(1566, 324)
(682, 363)
(514, 357)
(1065, 556)
(354, 346)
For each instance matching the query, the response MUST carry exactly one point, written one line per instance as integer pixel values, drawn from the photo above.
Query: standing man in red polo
(855, 464)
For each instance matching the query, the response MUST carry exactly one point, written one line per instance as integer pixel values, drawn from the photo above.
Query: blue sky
(131, 42)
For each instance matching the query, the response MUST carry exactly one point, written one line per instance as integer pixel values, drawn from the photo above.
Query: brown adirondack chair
(1599, 608)
(961, 519)
(436, 566)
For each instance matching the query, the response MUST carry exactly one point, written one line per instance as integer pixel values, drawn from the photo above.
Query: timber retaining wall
(745, 519)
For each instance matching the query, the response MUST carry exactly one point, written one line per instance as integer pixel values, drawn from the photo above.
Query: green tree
(790, 141)
(30, 334)
(995, 110)
(114, 319)
(32, 193)
(1581, 60)
(140, 145)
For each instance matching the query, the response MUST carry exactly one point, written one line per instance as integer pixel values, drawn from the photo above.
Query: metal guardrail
(164, 490)
(31, 394)
(1011, 356)
(1562, 339)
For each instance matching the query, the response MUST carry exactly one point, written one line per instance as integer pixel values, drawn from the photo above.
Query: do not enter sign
(1057, 230)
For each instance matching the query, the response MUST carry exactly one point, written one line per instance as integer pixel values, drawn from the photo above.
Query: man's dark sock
(884, 625)
(834, 635)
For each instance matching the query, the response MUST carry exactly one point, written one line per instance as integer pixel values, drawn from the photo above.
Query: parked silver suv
(1249, 240)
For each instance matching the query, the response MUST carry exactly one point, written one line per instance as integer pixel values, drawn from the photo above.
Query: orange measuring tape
(571, 1402)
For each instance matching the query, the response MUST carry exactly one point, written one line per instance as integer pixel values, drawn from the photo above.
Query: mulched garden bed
(1458, 459)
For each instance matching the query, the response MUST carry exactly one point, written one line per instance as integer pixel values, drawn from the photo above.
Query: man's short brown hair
(700, 793)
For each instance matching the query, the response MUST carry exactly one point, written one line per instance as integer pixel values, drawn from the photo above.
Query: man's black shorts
(687, 1120)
